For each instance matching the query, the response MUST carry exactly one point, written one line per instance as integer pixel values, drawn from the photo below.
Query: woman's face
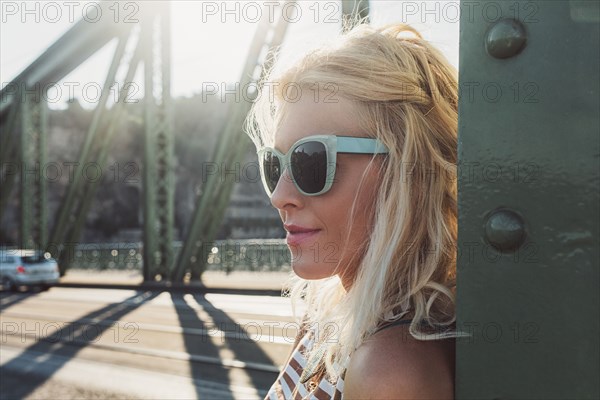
(316, 255)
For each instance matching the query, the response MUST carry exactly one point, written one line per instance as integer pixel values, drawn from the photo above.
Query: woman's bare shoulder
(394, 365)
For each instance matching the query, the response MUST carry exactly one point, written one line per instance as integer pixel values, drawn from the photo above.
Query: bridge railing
(260, 255)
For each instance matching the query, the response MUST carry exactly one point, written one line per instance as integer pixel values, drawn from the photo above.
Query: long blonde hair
(407, 96)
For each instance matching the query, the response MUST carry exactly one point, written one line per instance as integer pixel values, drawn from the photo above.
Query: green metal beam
(211, 205)
(235, 156)
(149, 166)
(528, 228)
(158, 174)
(63, 56)
(7, 138)
(165, 148)
(75, 46)
(67, 214)
(70, 51)
(103, 142)
(10, 159)
(33, 183)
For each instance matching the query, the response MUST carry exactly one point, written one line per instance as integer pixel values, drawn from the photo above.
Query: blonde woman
(358, 154)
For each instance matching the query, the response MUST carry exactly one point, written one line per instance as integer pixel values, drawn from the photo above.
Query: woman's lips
(295, 238)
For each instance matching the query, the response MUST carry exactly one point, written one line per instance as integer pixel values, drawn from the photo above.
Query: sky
(220, 29)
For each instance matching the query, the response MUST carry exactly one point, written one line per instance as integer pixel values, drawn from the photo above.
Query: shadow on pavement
(79, 332)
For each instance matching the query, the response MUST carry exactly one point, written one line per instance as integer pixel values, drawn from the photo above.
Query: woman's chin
(310, 271)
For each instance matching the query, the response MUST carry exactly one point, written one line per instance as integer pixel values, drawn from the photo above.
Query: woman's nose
(286, 194)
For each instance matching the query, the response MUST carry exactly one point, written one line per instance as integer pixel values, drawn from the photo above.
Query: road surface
(104, 343)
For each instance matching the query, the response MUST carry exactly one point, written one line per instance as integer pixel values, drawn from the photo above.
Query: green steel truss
(23, 122)
(528, 182)
(33, 184)
(232, 145)
(158, 178)
(78, 199)
(9, 157)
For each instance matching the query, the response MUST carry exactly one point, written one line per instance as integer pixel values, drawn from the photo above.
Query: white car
(27, 268)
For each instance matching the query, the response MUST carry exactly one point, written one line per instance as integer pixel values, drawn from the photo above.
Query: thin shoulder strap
(394, 323)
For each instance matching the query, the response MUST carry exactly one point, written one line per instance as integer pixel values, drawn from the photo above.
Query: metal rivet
(506, 38)
(505, 230)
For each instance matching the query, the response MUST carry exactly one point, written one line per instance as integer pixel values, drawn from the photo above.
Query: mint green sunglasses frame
(333, 144)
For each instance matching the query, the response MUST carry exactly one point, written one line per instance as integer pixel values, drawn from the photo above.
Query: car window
(36, 258)
(7, 259)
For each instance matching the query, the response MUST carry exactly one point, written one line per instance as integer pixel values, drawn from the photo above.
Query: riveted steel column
(158, 178)
(165, 160)
(149, 167)
(10, 160)
(528, 200)
(33, 183)
(7, 137)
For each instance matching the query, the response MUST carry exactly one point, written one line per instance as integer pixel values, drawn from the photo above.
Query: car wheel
(45, 287)
(8, 284)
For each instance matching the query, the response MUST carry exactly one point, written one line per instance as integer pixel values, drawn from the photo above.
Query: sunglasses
(311, 161)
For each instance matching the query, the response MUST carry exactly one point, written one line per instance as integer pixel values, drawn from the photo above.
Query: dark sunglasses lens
(309, 166)
(272, 170)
